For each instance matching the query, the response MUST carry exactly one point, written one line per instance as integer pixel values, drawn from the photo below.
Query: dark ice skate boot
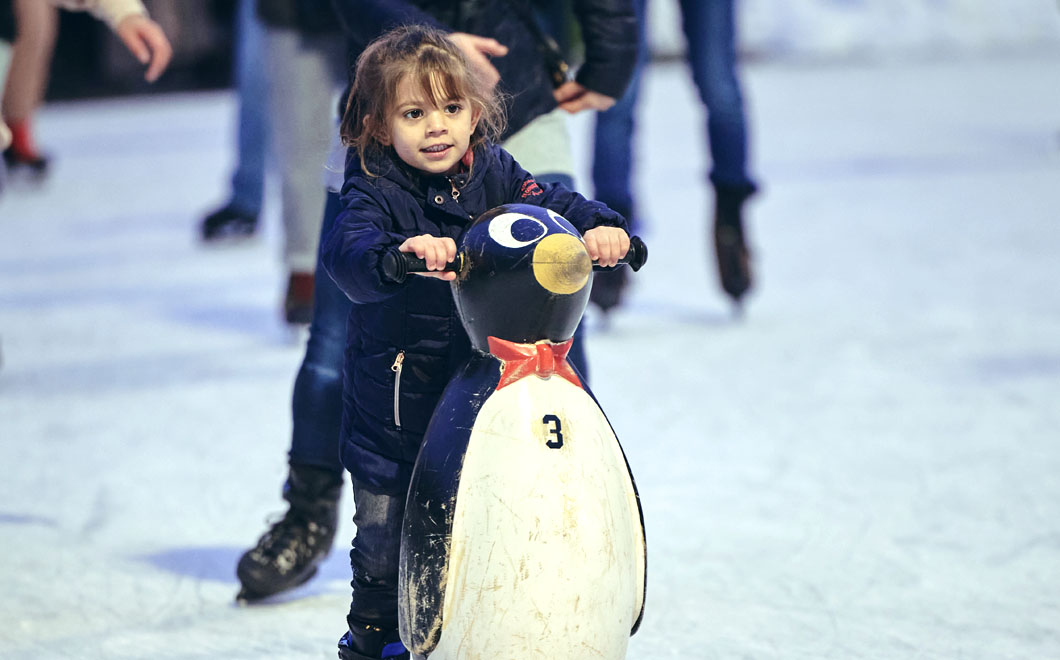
(35, 166)
(372, 643)
(730, 243)
(287, 554)
(228, 224)
(608, 287)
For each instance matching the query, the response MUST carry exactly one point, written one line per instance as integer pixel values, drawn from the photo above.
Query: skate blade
(246, 597)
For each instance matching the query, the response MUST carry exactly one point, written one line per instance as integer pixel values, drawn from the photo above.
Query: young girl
(420, 168)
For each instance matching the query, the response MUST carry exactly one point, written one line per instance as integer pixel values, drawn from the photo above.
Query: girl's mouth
(436, 149)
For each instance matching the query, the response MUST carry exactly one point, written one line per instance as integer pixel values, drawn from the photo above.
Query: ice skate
(33, 167)
(730, 244)
(228, 225)
(288, 554)
(608, 289)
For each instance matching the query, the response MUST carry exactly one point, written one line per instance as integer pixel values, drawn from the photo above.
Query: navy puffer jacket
(404, 341)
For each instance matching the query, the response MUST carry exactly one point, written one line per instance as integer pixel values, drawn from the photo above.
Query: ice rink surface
(866, 465)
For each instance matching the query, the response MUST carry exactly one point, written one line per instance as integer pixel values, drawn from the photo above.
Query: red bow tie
(542, 359)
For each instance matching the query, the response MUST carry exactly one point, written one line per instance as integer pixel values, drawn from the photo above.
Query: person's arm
(364, 20)
(352, 250)
(111, 12)
(129, 20)
(609, 30)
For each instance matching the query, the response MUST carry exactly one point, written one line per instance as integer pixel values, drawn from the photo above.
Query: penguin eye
(561, 222)
(515, 230)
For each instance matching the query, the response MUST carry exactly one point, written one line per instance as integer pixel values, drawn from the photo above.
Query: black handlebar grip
(635, 257)
(397, 265)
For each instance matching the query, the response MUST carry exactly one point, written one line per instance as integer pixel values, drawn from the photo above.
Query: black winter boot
(287, 554)
(730, 243)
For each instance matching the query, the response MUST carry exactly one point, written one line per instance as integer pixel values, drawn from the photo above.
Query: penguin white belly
(547, 550)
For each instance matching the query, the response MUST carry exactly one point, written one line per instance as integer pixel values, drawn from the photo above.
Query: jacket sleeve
(352, 249)
(111, 12)
(609, 29)
(364, 20)
(583, 213)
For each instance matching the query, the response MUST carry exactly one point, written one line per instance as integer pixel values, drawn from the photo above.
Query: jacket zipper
(399, 360)
(455, 194)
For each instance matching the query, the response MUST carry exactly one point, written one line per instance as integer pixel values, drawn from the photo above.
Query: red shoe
(298, 303)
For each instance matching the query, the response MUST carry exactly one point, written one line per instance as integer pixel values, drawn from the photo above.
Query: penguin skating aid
(523, 535)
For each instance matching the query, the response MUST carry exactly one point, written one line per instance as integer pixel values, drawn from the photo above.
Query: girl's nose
(435, 124)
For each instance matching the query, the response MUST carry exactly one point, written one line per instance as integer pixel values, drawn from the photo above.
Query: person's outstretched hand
(574, 97)
(147, 42)
(478, 51)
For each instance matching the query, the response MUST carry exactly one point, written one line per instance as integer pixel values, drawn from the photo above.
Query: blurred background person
(7, 35)
(33, 25)
(35, 29)
(305, 59)
(709, 27)
(237, 218)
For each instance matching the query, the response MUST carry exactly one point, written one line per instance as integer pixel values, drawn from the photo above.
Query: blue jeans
(248, 180)
(317, 399)
(710, 29)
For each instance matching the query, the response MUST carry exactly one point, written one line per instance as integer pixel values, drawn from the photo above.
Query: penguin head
(525, 277)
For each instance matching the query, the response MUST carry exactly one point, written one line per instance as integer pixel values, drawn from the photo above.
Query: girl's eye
(413, 114)
(452, 108)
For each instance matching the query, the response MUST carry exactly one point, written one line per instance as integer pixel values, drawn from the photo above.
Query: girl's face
(428, 137)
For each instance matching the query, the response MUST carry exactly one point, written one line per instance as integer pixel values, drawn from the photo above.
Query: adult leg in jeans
(612, 167)
(710, 28)
(314, 483)
(239, 216)
(316, 404)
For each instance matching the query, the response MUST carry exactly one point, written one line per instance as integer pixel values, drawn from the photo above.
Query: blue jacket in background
(417, 318)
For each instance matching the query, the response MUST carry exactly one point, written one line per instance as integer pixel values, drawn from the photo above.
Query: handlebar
(397, 265)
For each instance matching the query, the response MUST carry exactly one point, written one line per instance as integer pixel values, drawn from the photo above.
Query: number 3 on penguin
(556, 430)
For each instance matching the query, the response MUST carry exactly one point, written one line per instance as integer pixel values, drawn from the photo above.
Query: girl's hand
(147, 42)
(435, 251)
(606, 245)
